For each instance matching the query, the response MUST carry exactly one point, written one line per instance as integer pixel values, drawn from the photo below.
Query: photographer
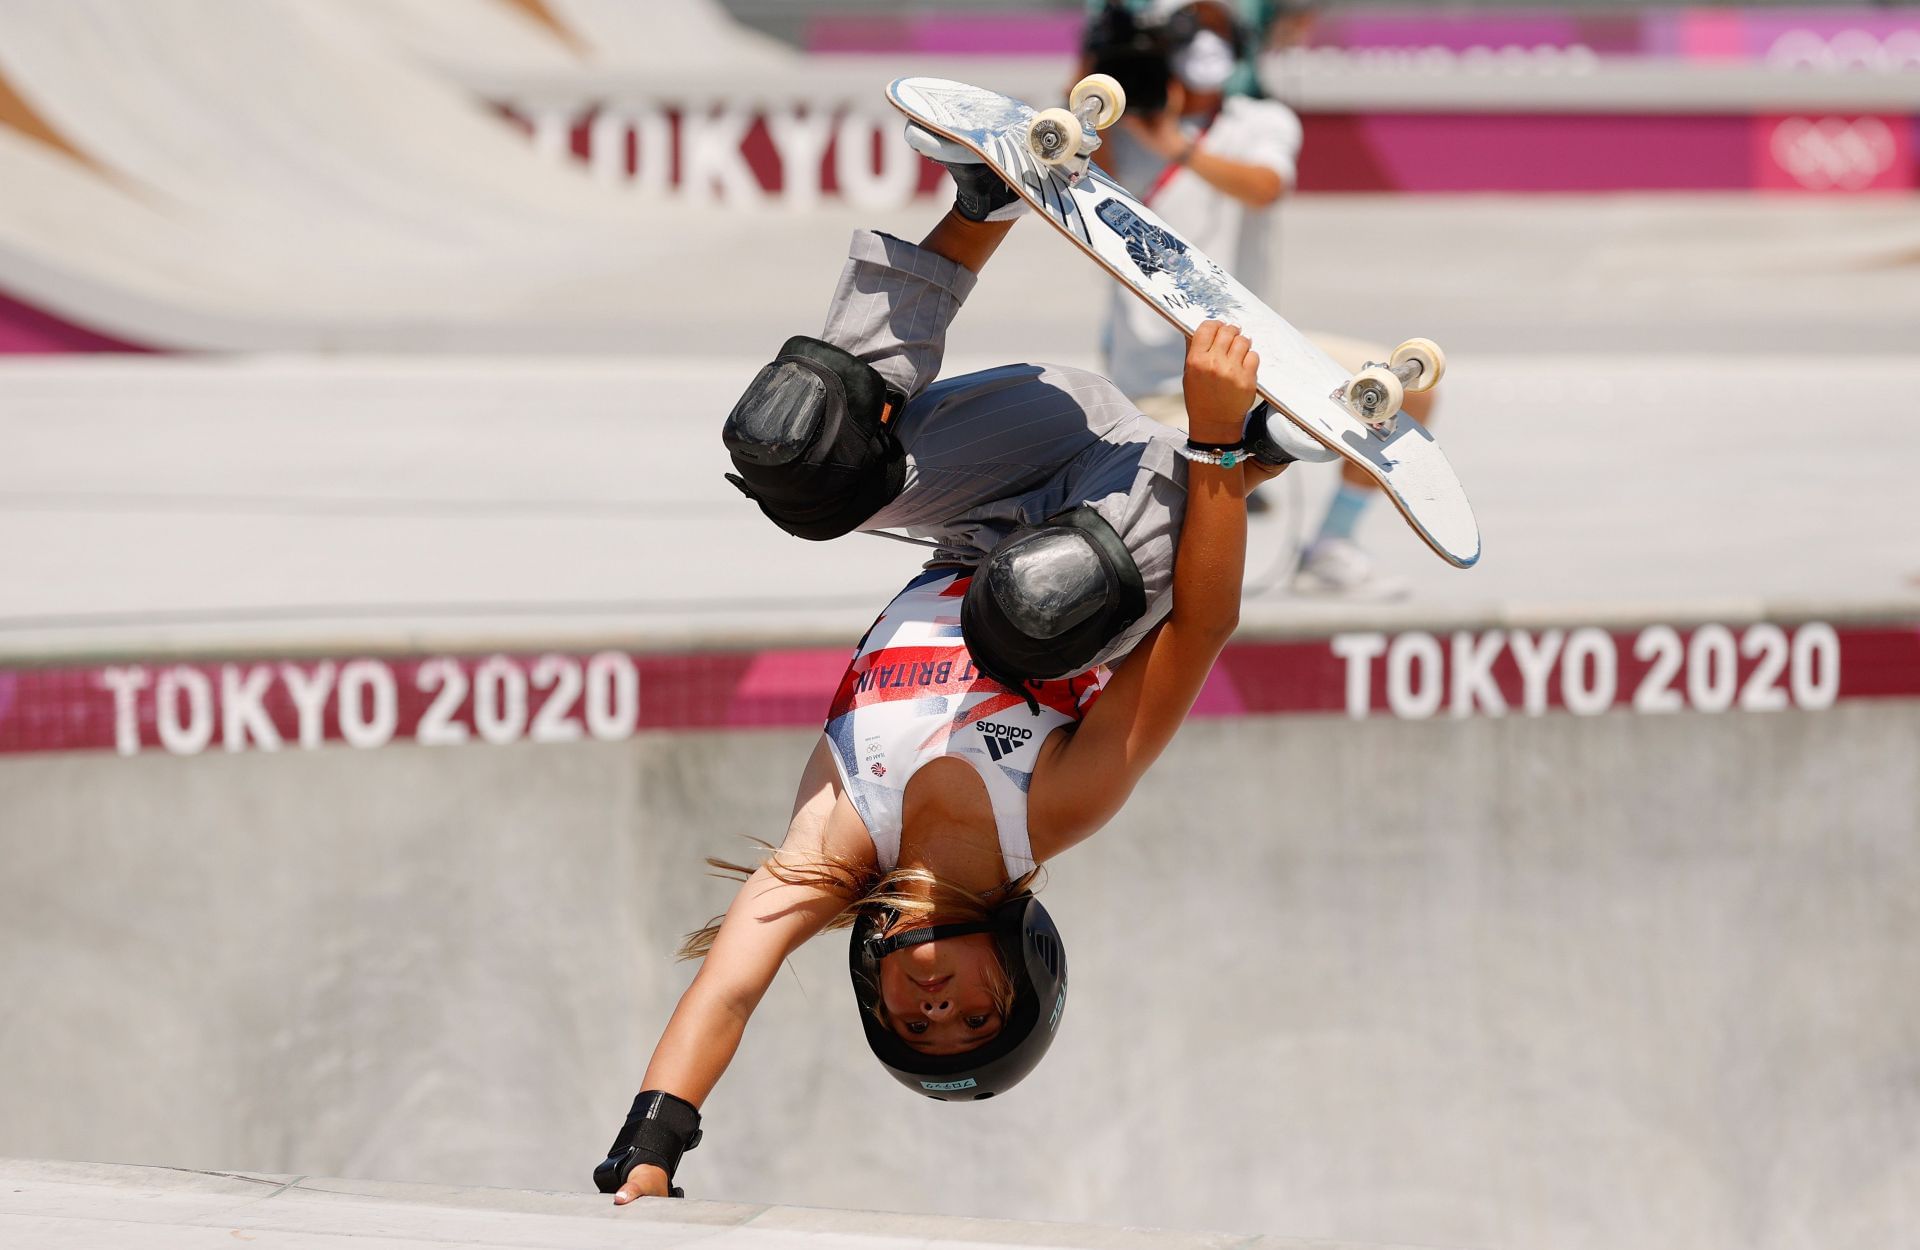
(1214, 164)
(1211, 164)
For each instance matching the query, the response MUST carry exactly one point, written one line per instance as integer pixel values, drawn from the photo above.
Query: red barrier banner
(367, 702)
(800, 155)
(1417, 675)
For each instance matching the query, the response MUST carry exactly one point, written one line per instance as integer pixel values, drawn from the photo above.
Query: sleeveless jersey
(912, 695)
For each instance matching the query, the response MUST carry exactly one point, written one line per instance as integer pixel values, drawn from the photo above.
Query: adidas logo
(1003, 740)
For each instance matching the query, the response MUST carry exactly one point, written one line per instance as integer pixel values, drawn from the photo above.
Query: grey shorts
(992, 450)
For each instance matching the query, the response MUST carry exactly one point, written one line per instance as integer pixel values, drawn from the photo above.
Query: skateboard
(1045, 155)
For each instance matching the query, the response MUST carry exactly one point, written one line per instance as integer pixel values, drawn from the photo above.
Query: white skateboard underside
(1151, 258)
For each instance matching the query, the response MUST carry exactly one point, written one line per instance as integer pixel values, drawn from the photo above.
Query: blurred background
(381, 651)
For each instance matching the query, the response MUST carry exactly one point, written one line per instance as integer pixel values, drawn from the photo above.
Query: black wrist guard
(1259, 443)
(659, 1129)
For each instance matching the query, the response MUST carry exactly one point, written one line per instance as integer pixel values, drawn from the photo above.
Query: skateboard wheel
(1107, 91)
(1427, 354)
(1375, 395)
(1054, 136)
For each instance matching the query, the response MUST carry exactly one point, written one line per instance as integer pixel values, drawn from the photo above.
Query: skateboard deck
(1152, 260)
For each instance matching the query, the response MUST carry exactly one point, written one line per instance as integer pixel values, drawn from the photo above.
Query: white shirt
(1145, 354)
(912, 695)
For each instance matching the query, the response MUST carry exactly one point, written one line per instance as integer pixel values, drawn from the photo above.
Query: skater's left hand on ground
(645, 1181)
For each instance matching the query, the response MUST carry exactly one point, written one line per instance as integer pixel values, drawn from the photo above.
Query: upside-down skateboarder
(1086, 572)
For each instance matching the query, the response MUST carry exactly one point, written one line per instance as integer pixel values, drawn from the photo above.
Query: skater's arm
(1090, 774)
(964, 242)
(766, 923)
(768, 920)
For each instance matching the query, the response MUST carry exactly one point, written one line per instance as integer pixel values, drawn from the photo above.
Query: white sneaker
(1339, 566)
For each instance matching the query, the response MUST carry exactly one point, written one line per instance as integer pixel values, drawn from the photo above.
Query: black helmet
(1031, 952)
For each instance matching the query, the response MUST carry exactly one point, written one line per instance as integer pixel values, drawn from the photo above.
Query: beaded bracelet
(1226, 455)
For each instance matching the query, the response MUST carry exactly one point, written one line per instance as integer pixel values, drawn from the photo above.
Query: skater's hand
(1219, 382)
(645, 1181)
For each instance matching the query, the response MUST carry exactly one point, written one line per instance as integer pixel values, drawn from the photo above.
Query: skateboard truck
(1376, 392)
(1066, 138)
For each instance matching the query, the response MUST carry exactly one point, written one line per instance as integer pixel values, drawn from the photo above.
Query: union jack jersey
(912, 695)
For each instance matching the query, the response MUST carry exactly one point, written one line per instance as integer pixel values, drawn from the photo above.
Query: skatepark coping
(55, 1205)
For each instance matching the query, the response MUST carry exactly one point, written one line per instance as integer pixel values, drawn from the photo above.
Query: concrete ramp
(532, 36)
(1620, 982)
(53, 1206)
(275, 173)
(525, 37)
(660, 32)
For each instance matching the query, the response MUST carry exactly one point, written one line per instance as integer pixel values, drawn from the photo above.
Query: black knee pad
(1050, 598)
(809, 441)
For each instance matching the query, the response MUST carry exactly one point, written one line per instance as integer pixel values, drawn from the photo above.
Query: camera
(1139, 56)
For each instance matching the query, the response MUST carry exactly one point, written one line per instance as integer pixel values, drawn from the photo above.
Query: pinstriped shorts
(992, 450)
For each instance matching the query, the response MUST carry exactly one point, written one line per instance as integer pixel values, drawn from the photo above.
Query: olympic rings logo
(1847, 49)
(1834, 153)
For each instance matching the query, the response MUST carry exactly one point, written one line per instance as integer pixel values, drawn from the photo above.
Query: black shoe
(1259, 440)
(978, 193)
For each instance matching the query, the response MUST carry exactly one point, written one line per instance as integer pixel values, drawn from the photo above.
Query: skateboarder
(1044, 486)
(1045, 478)
(1214, 161)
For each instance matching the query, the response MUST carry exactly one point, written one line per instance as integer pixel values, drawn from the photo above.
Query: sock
(1343, 514)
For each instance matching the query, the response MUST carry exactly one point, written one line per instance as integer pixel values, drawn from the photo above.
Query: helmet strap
(880, 947)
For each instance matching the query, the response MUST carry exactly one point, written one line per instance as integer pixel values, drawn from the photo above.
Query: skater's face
(944, 997)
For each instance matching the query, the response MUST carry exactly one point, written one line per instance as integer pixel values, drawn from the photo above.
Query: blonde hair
(906, 898)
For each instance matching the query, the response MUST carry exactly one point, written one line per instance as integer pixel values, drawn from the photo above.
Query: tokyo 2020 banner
(797, 152)
(555, 698)
(800, 154)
